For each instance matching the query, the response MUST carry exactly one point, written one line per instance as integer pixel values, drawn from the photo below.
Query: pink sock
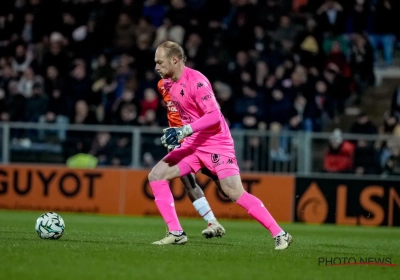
(257, 210)
(165, 204)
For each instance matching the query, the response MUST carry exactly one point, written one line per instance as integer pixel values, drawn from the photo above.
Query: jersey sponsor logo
(208, 96)
(184, 116)
(171, 107)
(230, 161)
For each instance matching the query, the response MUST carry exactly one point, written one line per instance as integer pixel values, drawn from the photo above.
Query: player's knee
(162, 171)
(233, 193)
(156, 174)
(232, 187)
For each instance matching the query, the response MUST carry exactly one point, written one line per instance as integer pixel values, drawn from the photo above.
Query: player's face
(164, 65)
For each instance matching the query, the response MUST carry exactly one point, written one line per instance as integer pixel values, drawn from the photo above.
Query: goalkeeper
(195, 193)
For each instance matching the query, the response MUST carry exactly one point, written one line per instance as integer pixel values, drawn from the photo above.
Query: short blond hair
(173, 49)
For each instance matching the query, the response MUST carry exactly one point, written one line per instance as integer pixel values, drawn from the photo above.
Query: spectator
(150, 101)
(309, 45)
(4, 115)
(53, 80)
(16, 106)
(128, 98)
(23, 59)
(56, 55)
(179, 13)
(338, 86)
(5, 34)
(28, 79)
(278, 108)
(79, 141)
(339, 157)
(56, 113)
(154, 10)
(36, 104)
(149, 119)
(35, 107)
(143, 56)
(194, 50)
(389, 129)
(390, 126)
(124, 74)
(124, 39)
(127, 115)
(359, 17)
(383, 30)
(305, 115)
(269, 13)
(363, 125)
(395, 104)
(79, 85)
(261, 42)
(320, 107)
(286, 32)
(167, 30)
(144, 26)
(69, 24)
(337, 57)
(331, 18)
(361, 65)
(16, 109)
(392, 166)
(239, 25)
(102, 148)
(102, 68)
(122, 152)
(366, 159)
(223, 93)
(6, 76)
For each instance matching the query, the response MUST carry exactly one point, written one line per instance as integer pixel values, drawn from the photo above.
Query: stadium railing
(294, 152)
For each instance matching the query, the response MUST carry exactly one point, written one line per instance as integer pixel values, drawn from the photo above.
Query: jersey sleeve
(205, 98)
(160, 87)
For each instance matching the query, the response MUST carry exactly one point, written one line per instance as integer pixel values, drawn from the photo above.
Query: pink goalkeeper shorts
(191, 162)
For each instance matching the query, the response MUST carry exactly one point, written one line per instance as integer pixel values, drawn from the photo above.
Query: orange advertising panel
(276, 192)
(59, 189)
(126, 191)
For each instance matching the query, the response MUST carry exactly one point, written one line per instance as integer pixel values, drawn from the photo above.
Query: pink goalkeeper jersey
(193, 97)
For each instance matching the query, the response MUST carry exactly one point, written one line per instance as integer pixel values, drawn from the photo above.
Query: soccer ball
(50, 225)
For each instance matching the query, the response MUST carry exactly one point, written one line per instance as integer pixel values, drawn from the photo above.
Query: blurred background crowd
(278, 65)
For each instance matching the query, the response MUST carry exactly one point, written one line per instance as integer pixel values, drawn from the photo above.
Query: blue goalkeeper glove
(173, 136)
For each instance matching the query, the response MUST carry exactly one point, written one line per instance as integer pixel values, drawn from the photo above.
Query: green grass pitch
(119, 247)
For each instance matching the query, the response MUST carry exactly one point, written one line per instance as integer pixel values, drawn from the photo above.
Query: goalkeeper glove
(173, 136)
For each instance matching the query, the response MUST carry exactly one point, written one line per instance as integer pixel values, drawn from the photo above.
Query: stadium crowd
(274, 64)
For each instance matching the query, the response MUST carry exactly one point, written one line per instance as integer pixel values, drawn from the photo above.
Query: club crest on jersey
(214, 158)
(199, 85)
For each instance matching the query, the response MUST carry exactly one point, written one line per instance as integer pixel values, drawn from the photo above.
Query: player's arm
(205, 100)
